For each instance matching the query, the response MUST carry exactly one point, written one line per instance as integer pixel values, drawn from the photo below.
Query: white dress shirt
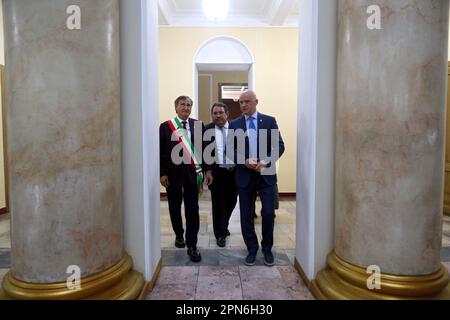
(219, 142)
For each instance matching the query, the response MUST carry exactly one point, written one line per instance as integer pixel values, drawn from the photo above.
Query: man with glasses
(255, 172)
(182, 172)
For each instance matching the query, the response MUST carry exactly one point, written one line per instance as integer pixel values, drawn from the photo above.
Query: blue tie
(252, 139)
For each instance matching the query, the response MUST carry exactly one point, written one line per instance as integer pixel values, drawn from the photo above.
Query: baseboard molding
(4, 210)
(287, 195)
(281, 195)
(302, 273)
(150, 285)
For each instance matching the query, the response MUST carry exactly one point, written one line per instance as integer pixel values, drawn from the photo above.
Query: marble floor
(229, 283)
(284, 231)
(222, 274)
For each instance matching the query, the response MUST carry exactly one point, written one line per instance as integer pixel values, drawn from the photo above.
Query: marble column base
(344, 281)
(119, 282)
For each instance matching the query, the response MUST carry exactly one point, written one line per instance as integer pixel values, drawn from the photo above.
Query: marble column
(391, 93)
(63, 118)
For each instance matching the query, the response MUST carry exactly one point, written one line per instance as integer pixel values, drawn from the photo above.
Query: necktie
(252, 138)
(252, 124)
(184, 124)
(224, 144)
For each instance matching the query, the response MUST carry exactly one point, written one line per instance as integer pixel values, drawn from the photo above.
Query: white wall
(316, 134)
(140, 123)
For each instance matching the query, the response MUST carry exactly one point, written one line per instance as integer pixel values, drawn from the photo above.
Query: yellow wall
(204, 98)
(276, 59)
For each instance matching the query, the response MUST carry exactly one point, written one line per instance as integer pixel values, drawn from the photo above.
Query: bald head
(248, 102)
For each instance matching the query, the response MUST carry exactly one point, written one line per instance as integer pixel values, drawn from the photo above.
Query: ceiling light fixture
(216, 10)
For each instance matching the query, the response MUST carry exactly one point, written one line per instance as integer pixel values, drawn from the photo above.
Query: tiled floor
(284, 231)
(446, 232)
(229, 283)
(222, 275)
(5, 242)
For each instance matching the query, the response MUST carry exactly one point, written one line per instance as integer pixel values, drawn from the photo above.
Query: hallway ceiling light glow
(216, 10)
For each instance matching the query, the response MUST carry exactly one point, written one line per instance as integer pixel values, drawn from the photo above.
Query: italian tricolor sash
(188, 147)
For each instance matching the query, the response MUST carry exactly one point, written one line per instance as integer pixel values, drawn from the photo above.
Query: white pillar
(140, 134)
(316, 132)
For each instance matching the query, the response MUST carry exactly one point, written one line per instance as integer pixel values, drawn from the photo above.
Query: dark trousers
(276, 199)
(175, 195)
(246, 203)
(224, 199)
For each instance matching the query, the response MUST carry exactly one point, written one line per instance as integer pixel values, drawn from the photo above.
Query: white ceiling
(243, 13)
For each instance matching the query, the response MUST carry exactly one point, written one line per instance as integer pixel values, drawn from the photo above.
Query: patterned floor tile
(178, 275)
(219, 288)
(259, 272)
(447, 264)
(265, 289)
(173, 292)
(2, 274)
(5, 258)
(218, 271)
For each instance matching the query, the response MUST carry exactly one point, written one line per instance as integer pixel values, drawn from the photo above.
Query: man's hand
(251, 164)
(261, 166)
(209, 178)
(164, 181)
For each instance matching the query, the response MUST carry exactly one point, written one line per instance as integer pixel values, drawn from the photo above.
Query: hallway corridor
(222, 274)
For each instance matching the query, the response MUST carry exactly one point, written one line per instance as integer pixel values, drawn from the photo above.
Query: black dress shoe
(227, 233)
(221, 242)
(251, 259)
(179, 242)
(268, 259)
(194, 254)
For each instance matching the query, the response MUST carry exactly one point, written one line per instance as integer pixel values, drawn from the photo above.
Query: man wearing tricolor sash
(182, 172)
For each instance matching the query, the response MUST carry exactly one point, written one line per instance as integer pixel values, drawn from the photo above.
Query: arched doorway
(222, 54)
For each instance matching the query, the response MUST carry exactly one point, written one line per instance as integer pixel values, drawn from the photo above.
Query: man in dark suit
(257, 146)
(181, 172)
(223, 189)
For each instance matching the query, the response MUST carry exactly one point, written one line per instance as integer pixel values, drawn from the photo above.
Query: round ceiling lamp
(216, 10)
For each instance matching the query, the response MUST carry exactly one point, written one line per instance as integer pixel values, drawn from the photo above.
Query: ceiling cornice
(265, 13)
(278, 11)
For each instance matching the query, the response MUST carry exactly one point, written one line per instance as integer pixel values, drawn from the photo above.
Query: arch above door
(222, 53)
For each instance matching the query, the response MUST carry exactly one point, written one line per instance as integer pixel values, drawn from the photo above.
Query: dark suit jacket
(215, 165)
(243, 175)
(178, 173)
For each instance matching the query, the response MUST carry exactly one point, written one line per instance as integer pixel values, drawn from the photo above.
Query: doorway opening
(224, 67)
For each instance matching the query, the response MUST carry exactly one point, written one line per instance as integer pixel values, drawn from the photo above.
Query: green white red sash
(188, 147)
